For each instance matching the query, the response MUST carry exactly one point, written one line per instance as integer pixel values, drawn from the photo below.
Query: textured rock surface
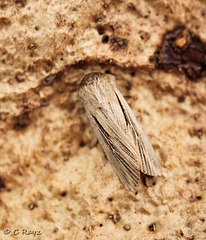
(54, 177)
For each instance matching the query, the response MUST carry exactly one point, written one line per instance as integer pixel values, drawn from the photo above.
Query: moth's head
(94, 77)
(94, 85)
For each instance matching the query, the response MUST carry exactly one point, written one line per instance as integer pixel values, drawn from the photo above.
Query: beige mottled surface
(54, 177)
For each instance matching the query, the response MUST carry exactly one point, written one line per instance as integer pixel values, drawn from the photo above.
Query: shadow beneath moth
(125, 144)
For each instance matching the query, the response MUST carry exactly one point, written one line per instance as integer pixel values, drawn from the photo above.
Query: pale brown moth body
(125, 144)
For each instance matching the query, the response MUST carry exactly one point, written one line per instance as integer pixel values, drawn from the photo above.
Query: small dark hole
(152, 227)
(82, 144)
(101, 225)
(55, 230)
(49, 79)
(37, 28)
(2, 183)
(151, 59)
(108, 72)
(133, 74)
(110, 199)
(105, 5)
(181, 99)
(64, 193)
(31, 206)
(105, 39)
(101, 30)
(127, 227)
(198, 198)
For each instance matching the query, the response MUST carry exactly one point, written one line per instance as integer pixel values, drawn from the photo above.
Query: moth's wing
(149, 163)
(123, 163)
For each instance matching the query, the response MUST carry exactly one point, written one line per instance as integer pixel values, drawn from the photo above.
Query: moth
(125, 144)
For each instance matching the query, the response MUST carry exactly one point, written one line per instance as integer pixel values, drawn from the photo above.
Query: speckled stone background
(54, 177)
